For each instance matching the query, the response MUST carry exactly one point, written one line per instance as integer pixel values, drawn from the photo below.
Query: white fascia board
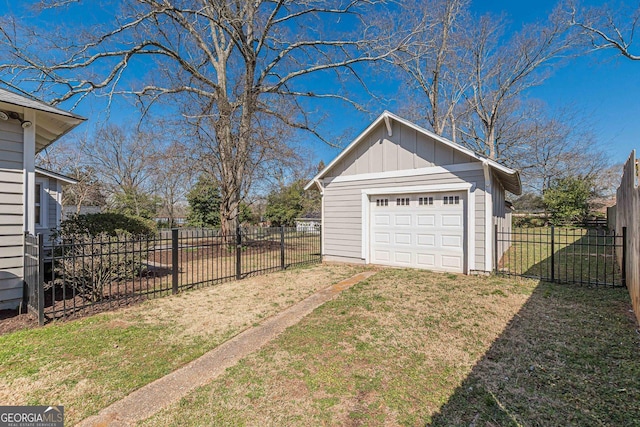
(469, 187)
(56, 176)
(348, 149)
(461, 167)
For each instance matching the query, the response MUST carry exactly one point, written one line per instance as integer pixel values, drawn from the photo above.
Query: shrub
(108, 223)
(528, 221)
(99, 250)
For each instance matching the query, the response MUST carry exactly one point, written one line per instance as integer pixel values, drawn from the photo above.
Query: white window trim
(470, 224)
(44, 202)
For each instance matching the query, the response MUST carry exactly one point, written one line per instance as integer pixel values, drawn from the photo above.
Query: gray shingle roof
(23, 101)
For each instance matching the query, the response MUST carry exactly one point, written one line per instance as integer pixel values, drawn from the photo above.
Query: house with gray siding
(30, 197)
(403, 196)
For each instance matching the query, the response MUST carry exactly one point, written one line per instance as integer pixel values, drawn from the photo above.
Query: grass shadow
(571, 356)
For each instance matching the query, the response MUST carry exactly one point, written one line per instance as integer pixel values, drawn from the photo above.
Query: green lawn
(90, 363)
(580, 255)
(411, 347)
(404, 347)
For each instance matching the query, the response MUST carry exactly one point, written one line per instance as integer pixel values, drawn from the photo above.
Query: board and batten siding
(405, 149)
(11, 214)
(343, 211)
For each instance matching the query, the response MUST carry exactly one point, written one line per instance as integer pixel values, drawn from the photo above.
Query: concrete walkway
(152, 398)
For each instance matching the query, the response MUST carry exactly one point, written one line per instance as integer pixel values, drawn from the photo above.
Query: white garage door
(419, 230)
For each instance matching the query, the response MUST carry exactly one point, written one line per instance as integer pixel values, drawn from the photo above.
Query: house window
(40, 203)
(424, 201)
(451, 200)
(382, 202)
(402, 201)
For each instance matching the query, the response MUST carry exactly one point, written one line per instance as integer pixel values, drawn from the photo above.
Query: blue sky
(604, 88)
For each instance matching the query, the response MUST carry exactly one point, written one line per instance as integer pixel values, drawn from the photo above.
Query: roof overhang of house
(51, 122)
(54, 175)
(509, 178)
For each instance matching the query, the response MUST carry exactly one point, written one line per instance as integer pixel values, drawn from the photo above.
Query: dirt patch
(13, 320)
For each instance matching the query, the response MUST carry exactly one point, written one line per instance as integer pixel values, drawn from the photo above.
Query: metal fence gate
(562, 255)
(33, 276)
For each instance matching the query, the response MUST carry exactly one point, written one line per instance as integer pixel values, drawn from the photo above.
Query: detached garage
(403, 196)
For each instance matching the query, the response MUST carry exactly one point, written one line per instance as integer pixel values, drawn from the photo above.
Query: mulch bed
(13, 320)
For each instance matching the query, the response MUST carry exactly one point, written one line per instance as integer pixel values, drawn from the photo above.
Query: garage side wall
(11, 210)
(343, 211)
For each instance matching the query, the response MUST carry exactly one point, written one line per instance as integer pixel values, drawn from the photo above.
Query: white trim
(322, 239)
(387, 117)
(470, 187)
(56, 176)
(488, 217)
(29, 188)
(432, 170)
(387, 122)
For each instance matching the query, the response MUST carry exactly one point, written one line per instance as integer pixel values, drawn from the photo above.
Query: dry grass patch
(389, 351)
(89, 363)
(411, 347)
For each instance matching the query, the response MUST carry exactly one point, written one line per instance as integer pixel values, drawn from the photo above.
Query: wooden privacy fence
(628, 215)
(74, 275)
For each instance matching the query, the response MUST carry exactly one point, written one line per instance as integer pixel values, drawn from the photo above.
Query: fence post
(174, 260)
(495, 248)
(238, 253)
(282, 266)
(40, 281)
(624, 256)
(553, 256)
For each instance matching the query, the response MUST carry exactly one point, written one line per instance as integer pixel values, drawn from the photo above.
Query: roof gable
(51, 122)
(416, 148)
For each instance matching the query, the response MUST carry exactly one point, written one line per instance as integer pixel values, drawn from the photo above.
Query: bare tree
(502, 70)
(65, 157)
(126, 161)
(432, 60)
(607, 28)
(173, 176)
(235, 65)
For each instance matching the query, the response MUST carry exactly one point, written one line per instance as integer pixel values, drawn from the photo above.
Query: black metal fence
(104, 272)
(563, 255)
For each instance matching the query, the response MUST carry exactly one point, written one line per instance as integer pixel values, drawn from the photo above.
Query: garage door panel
(451, 220)
(402, 220)
(426, 260)
(382, 256)
(382, 219)
(382, 238)
(426, 220)
(402, 257)
(426, 240)
(403, 238)
(451, 241)
(453, 262)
